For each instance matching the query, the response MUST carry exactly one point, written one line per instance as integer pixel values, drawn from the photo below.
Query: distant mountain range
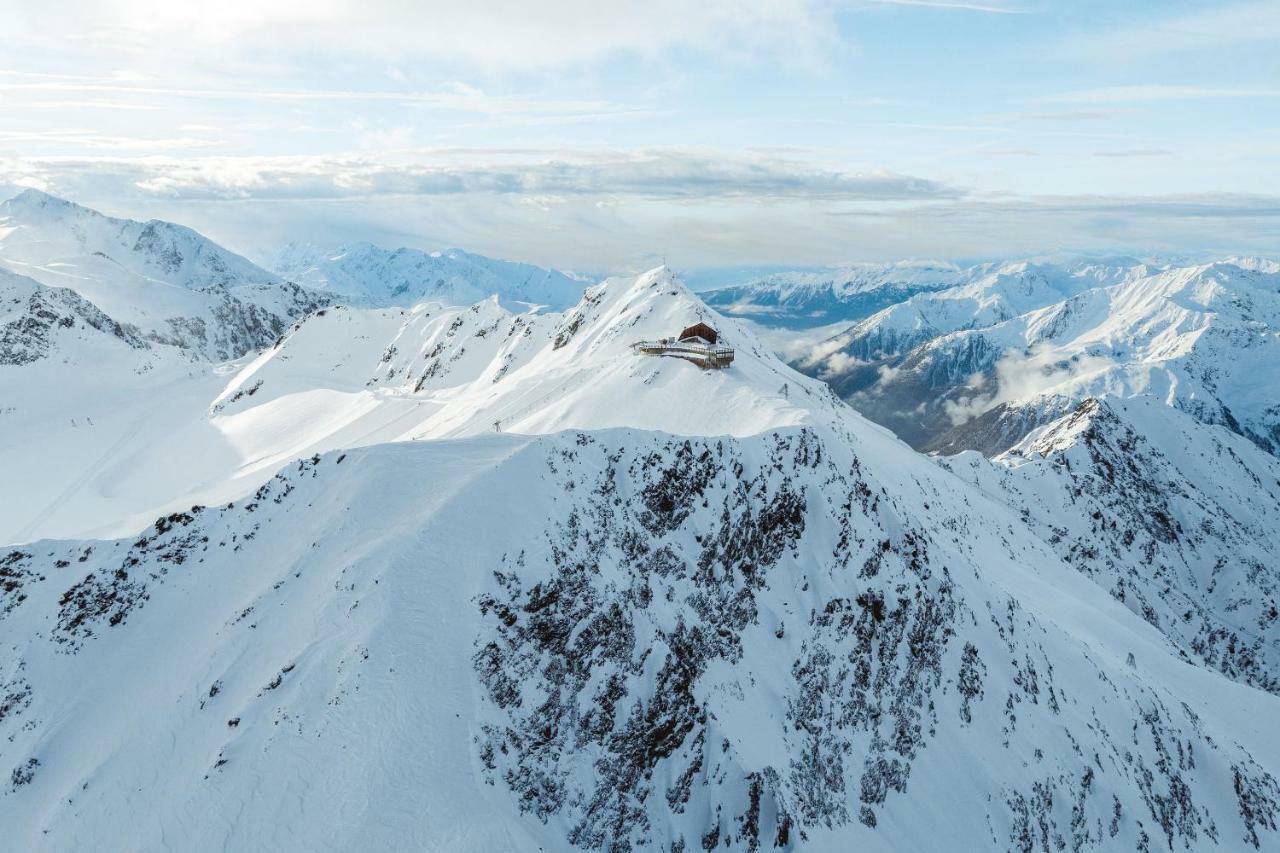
(1015, 345)
(364, 274)
(176, 287)
(798, 300)
(166, 283)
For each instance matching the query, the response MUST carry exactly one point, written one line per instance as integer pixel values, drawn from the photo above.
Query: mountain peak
(34, 200)
(363, 273)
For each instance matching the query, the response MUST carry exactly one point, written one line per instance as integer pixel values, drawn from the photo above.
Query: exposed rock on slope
(32, 316)
(762, 643)
(1205, 338)
(1178, 521)
(172, 285)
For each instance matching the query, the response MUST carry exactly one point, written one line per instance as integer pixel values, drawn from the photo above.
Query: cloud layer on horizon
(732, 131)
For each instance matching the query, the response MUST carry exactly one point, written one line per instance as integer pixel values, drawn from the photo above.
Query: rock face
(32, 316)
(1178, 521)
(164, 282)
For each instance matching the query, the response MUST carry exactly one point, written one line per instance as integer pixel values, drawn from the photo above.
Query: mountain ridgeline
(486, 576)
(1013, 346)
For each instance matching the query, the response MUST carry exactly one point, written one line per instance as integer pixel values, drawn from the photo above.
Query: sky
(606, 135)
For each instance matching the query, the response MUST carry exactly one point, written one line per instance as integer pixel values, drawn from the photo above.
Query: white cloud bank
(649, 174)
(1023, 376)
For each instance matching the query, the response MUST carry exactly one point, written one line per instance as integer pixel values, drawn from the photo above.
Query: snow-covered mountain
(469, 578)
(803, 299)
(364, 274)
(985, 296)
(788, 632)
(980, 365)
(166, 282)
(1178, 520)
(35, 320)
(347, 377)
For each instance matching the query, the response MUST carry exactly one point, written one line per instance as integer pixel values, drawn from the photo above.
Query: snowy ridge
(1177, 520)
(167, 282)
(348, 377)
(805, 299)
(466, 368)
(784, 641)
(989, 295)
(1203, 338)
(364, 274)
(42, 232)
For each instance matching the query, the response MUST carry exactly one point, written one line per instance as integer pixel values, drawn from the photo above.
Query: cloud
(1154, 92)
(487, 34)
(1134, 152)
(92, 139)
(622, 210)
(658, 174)
(989, 8)
(887, 373)
(837, 363)
(456, 97)
(1177, 206)
(1207, 29)
(1069, 115)
(1022, 376)
(1009, 152)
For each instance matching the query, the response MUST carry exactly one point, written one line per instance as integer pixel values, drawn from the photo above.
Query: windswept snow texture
(980, 365)
(165, 282)
(363, 274)
(801, 640)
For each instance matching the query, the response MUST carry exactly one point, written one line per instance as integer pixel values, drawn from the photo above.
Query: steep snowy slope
(466, 368)
(93, 417)
(364, 274)
(808, 639)
(800, 300)
(1179, 521)
(175, 286)
(349, 377)
(1205, 339)
(986, 295)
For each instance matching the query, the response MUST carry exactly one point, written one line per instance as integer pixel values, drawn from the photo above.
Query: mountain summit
(364, 274)
(171, 285)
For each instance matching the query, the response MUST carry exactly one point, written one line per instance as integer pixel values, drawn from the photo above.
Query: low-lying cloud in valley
(1021, 376)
